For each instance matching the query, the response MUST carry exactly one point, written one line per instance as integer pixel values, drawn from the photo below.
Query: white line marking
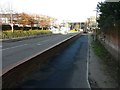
(15, 47)
(39, 44)
(87, 75)
(87, 65)
(45, 41)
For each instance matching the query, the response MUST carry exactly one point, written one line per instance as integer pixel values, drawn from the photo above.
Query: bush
(20, 33)
(6, 27)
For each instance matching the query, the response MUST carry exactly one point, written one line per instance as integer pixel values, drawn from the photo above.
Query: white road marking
(14, 47)
(88, 65)
(39, 44)
(23, 45)
(43, 42)
(88, 75)
(46, 40)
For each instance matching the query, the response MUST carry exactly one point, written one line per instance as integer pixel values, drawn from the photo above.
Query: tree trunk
(31, 27)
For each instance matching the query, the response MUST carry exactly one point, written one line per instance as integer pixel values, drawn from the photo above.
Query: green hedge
(20, 33)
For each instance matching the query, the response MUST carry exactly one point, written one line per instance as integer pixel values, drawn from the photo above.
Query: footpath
(98, 77)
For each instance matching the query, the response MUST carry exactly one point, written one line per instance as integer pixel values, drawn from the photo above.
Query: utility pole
(95, 33)
(11, 16)
(11, 21)
(96, 24)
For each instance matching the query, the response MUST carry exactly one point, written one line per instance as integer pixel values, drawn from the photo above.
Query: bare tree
(25, 19)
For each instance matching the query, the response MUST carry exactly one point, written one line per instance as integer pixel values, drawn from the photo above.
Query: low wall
(112, 43)
(20, 73)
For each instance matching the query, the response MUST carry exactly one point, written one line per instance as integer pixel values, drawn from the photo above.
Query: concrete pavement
(97, 75)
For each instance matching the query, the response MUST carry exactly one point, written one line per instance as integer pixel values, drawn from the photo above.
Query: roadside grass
(72, 31)
(111, 65)
(21, 33)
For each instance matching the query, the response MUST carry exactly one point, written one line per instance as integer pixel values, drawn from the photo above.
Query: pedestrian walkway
(98, 78)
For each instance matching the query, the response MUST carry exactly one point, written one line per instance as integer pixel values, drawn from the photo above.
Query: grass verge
(20, 33)
(72, 31)
(111, 65)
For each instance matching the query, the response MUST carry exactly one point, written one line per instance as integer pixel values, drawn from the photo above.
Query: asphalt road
(13, 52)
(66, 70)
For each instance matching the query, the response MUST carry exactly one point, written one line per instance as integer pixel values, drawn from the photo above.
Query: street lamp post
(11, 17)
(11, 20)
(95, 33)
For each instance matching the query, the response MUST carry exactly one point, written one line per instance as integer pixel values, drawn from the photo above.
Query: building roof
(8, 15)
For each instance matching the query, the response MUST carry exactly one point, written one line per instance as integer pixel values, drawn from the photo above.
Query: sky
(72, 10)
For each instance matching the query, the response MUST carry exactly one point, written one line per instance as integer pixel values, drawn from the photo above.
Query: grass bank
(111, 65)
(72, 31)
(20, 33)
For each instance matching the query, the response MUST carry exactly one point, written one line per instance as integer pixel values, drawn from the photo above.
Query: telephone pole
(11, 17)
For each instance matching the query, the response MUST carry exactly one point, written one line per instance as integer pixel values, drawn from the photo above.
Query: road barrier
(15, 74)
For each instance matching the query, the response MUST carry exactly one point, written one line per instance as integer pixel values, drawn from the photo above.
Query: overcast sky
(73, 10)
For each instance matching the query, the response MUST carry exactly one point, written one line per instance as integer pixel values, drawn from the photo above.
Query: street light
(11, 20)
(96, 24)
(11, 16)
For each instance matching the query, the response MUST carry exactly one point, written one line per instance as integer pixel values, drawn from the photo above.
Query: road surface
(66, 70)
(12, 52)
